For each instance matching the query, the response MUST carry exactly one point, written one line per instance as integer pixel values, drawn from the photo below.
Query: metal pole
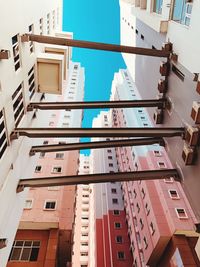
(94, 45)
(97, 132)
(97, 104)
(95, 145)
(98, 178)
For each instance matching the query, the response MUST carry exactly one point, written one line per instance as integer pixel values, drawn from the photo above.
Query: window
(143, 193)
(50, 205)
(110, 165)
(145, 242)
(120, 255)
(138, 207)
(109, 151)
(141, 223)
(113, 191)
(152, 229)
(181, 213)
(31, 82)
(84, 253)
(157, 153)
(147, 208)
(59, 155)
(158, 6)
(161, 165)
(28, 204)
(48, 23)
(173, 194)
(57, 170)
(45, 142)
(41, 26)
(115, 201)
(119, 239)
(116, 212)
(117, 225)
(25, 250)
(18, 104)
(109, 157)
(16, 52)
(51, 123)
(38, 168)
(135, 193)
(182, 12)
(30, 30)
(84, 243)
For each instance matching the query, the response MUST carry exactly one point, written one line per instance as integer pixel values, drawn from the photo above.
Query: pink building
(45, 234)
(112, 242)
(157, 212)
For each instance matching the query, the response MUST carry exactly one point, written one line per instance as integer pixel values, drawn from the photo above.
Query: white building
(149, 24)
(83, 241)
(27, 73)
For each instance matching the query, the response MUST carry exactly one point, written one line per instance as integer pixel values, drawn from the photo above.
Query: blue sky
(94, 21)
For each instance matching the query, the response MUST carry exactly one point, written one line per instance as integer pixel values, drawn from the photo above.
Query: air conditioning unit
(192, 136)
(164, 68)
(195, 113)
(158, 116)
(188, 155)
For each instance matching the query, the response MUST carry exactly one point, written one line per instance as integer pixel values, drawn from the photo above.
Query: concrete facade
(39, 214)
(155, 210)
(149, 26)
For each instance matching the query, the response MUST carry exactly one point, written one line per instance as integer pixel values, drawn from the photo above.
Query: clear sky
(94, 21)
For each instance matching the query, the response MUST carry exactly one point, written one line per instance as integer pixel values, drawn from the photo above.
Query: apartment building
(83, 253)
(112, 243)
(159, 217)
(48, 214)
(149, 24)
(32, 72)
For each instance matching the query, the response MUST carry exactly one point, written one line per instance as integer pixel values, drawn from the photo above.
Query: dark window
(38, 168)
(113, 190)
(3, 138)
(25, 250)
(115, 201)
(117, 225)
(31, 82)
(116, 212)
(30, 29)
(120, 255)
(50, 205)
(16, 52)
(18, 104)
(119, 239)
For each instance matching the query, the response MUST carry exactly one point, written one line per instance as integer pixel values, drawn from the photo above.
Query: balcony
(50, 73)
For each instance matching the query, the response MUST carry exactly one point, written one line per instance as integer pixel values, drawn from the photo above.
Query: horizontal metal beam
(95, 45)
(95, 145)
(98, 104)
(98, 178)
(97, 132)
